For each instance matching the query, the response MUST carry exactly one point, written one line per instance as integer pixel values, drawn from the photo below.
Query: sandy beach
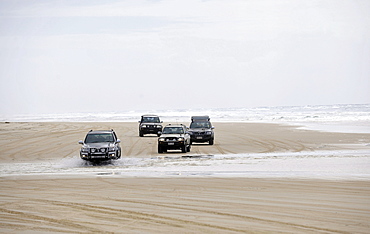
(72, 204)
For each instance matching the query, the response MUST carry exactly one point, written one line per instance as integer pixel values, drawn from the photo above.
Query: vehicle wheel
(160, 150)
(211, 141)
(188, 148)
(141, 134)
(183, 148)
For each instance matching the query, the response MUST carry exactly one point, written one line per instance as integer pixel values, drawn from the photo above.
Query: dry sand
(34, 204)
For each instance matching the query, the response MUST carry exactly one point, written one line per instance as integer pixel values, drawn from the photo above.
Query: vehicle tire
(183, 148)
(211, 141)
(141, 134)
(160, 150)
(188, 148)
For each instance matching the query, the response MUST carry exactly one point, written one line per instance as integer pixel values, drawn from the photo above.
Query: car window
(200, 125)
(101, 137)
(150, 120)
(173, 130)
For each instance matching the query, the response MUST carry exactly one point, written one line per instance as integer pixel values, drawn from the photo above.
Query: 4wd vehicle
(174, 137)
(100, 145)
(201, 130)
(149, 124)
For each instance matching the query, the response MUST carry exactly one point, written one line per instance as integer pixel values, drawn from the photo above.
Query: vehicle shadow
(172, 152)
(200, 144)
(149, 136)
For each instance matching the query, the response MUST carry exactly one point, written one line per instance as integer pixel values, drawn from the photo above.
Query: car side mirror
(118, 141)
(159, 133)
(139, 121)
(80, 142)
(213, 127)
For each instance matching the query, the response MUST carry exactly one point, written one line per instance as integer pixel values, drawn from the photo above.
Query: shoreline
(361, 127)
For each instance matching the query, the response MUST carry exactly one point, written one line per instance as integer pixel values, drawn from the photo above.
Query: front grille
(171, 139)
(98, 150)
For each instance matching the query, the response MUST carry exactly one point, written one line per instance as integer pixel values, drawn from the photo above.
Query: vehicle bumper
(105, 156)
(150, 130)
(201, 138)
(171, 145)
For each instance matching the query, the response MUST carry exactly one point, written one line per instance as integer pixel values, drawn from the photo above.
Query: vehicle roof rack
(200, 118)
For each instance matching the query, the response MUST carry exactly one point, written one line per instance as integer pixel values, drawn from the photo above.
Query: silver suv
(174, 137)
(100, 145)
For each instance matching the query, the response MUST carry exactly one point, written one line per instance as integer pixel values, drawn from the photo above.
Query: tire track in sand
(222, 150)
(125, 214)
(131, 146)
(63, 223)
(203, 149)
(178, 222)
(186, 208)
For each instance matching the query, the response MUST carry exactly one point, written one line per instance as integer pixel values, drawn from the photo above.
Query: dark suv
(100, 145)
(150, 124)
(201, 130)
(174, 137)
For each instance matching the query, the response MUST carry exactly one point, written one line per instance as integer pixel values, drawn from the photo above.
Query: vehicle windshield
(173, 130)
(99, 137)
(150, 120)
(200, 125)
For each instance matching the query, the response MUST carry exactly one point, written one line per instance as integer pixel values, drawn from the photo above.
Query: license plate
(97, 156)
(199, 137)
(171, 143)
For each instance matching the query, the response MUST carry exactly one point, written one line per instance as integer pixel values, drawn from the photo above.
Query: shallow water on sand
(321, 165)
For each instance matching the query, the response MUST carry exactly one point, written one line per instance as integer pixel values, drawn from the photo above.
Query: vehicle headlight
(84, 149)
(209, 133)
(143, 126)
(191, 133)
(161, 139)
(159, 126)
(180, 139)
(112, 148)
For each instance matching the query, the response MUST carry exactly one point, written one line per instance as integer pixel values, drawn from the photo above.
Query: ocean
(336, 118)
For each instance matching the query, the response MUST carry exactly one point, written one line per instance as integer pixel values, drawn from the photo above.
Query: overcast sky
(105, 55)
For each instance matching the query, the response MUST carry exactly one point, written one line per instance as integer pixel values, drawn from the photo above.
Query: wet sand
(36, 204)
